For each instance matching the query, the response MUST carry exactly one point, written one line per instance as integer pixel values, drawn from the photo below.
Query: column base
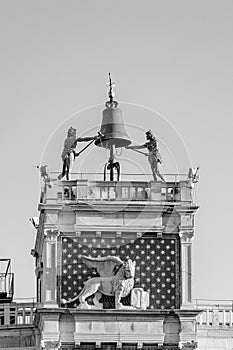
(187, 306)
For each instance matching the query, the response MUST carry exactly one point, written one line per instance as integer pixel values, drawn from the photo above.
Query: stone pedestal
(119, 326)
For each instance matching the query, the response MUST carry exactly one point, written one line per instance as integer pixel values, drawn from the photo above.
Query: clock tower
(113, 257)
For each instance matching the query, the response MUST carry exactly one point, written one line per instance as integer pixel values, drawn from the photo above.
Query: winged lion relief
(116, 279)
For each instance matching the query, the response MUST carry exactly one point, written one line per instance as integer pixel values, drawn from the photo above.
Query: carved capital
(51, 235)
(50, 345)
(186, 236)
(189, 345)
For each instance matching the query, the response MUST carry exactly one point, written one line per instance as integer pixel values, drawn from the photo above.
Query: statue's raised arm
(154, 156)
(68, 154)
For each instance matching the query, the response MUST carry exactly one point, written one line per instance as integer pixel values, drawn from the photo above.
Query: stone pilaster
(188, 330)
(186, 237)
(50, 330)
(49, 292)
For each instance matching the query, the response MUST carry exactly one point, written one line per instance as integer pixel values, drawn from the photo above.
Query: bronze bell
(112, 128)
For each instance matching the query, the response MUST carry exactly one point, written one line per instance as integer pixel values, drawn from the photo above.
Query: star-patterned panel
(157, 266)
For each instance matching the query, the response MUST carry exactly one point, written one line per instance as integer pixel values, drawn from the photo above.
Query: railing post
(207, 317)
(24, 318)
(16, 315)
(31, 315)
(215, 317)
(224, 317)
(7, 314)
(230, 317)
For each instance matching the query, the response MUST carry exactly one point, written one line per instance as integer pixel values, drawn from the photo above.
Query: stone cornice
(53, 207)
(126, 229)
(110, 206)
(96, 315)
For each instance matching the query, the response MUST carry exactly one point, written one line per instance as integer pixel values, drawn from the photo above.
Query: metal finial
(111, 93)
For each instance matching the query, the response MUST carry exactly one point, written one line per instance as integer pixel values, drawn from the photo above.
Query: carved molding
(50, 345)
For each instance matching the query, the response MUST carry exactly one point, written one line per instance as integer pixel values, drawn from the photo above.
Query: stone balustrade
(17, 314)
(90, 190)
(215, 314)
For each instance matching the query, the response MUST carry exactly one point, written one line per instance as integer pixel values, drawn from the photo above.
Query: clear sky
(173, 57)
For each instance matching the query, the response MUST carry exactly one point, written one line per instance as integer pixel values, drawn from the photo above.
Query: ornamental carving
(189, 345)
(50, 345)
(51, 235)
(116, 279)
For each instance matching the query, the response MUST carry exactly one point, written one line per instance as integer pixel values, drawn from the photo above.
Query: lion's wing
(104, 265)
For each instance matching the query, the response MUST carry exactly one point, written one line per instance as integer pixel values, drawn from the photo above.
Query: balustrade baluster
(31, 315)
(223, 317)
(6, 314)
(230, 318)
(16, 315)
(207, 317)
(24, 316)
